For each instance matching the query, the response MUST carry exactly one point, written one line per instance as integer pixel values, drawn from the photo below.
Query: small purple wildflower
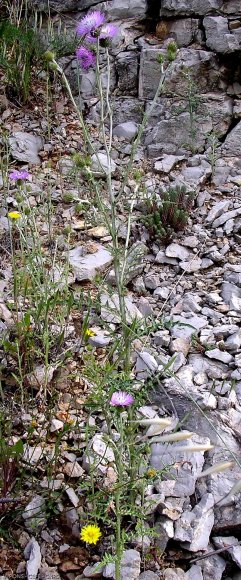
(90, 23)
(86, 57)
(107, 31)
(19, 175)
(121, 399)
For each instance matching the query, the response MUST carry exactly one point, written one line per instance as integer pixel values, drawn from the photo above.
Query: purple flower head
(19, 175)
(106, 32)
(121, 399)
(86, 57)
(90, 23)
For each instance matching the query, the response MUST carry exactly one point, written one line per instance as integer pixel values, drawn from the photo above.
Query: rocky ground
(192, 288)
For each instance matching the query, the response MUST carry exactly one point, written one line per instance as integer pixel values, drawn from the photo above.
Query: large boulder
(200, 66)
(117, 10)
(232, 143)
(232, 7)
(218, 36)
(183, 30)
(61, 5)
(189, 7)
(170, 129)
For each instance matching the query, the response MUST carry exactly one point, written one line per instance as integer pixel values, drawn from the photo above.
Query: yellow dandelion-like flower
(90, 534)
(89, 332)
(151, 472)
(14, 215)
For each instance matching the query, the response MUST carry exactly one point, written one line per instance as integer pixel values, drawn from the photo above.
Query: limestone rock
(195, 573)
(126, 130)
(220, 355)
(199, 63)
(218, 209)
(194, 265)
(33, 556)
(166, 164)
(100, 167)
(25, 147)
(194, 527)
(110, 309)
(130, 566)
(73, 469)
(232, 143)
(60, 6)
(218, 36)
(185, 470)
(182, 30)
(177, 251)
(117, 10)
(173, 574)
(34, 514)
(185, 327)
(148, 575)
(86, 266)
(188, 8)
(134, 263)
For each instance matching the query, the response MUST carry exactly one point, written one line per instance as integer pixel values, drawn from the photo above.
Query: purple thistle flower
(107, 31)
(121, 399)
(19, 175)
(86, 57)
(90, 22)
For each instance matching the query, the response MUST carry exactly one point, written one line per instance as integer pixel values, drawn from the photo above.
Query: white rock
(33, 556)
(195, 573)
(220, 355)
(110, 309)
(177, 251)
(166, 164)
(56, 425)
(73, 469)
(100, 166)
(192, 266)
(126, 130)
(101, 448)
(34, 514)
(194, 527)
(130, 566)
(146, 361)
(32, 455)
(233, 342)
(218, 209)
(87, 266)
(25, 147)
(181, 345)
(72, 496)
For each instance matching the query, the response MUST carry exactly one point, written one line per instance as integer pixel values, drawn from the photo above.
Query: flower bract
(14, 215)
(90, 23)
(86, 57)
(90, 534)
(19, 175)
(121, 399)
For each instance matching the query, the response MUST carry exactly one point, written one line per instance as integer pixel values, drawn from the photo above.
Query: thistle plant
(95, 36)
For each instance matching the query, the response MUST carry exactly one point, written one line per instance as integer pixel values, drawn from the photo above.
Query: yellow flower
(151, 472)
(89, 332)
(14, 215)
(90, 534)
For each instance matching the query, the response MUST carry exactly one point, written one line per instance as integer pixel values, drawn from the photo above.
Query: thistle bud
(49, 56)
